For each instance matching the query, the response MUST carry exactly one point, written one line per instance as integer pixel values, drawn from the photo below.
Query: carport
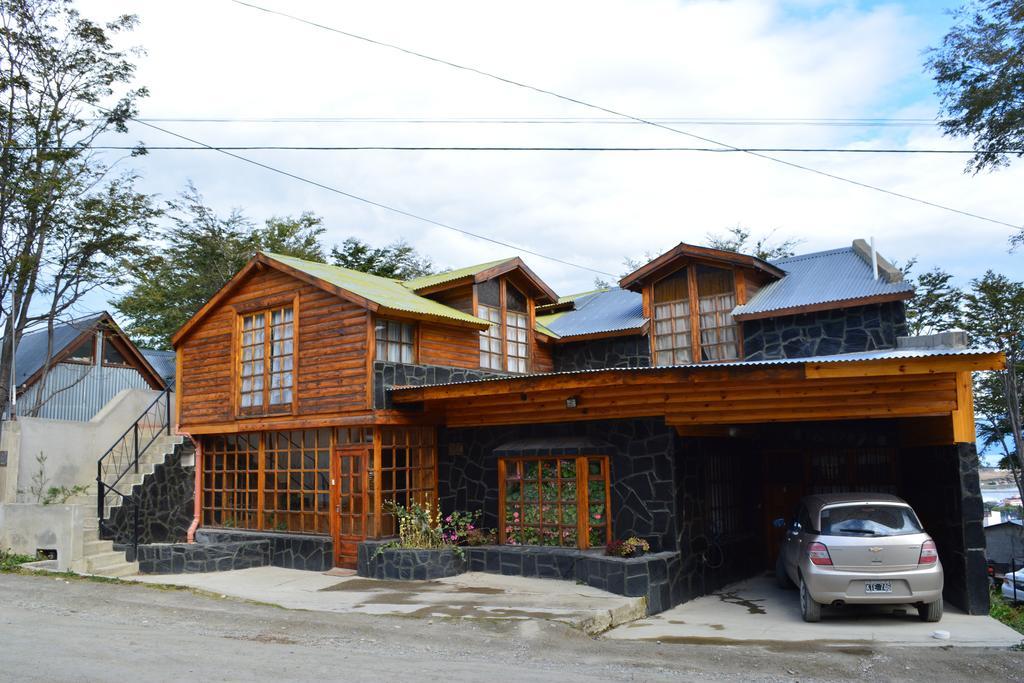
(701, 458)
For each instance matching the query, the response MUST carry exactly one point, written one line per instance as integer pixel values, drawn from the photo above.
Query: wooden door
(784, 486)
(351, 506)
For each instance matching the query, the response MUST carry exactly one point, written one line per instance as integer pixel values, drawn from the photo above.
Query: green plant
(61, 494)
(10, 561)
(1002, 610)
(631, 547)
(423, 527)
(39, 479)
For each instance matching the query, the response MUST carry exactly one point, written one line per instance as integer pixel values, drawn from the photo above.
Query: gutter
(197, 501)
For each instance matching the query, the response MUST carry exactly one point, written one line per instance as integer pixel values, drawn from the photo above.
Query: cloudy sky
(713, 66)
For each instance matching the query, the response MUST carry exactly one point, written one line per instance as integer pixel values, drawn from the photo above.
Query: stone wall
(387, 375)
(193, 558)
(643, 487)
(846, 330)
(291, 551)
(941, 484)
(165, 500)
(633, 351)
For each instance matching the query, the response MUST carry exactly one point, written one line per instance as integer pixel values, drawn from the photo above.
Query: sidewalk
(473, 595)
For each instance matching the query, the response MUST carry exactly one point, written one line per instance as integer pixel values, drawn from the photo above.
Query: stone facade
(845, 330)
(165, 500)
(192, 558)
(291, 551)
(641, 454)
(633, 351)
(376, 562)
(387, 374)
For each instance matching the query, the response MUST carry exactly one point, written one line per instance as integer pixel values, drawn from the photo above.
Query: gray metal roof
(31, 353)
(822, 277)
(162, 361)
(604, 311)
(883, 354)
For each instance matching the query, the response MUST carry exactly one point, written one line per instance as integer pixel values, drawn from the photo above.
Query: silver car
(857, 548)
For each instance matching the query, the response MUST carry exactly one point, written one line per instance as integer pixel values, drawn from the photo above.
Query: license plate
(878, 587)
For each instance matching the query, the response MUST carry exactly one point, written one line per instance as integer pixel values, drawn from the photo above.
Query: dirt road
(78, 630)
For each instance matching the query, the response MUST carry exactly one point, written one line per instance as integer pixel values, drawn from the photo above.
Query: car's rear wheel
(931, 611)
(809, 609)
(781, 577)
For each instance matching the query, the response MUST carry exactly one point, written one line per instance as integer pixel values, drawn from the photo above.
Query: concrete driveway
(757, 612)
(473, 595)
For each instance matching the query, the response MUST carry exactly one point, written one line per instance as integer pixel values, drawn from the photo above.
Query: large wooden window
(267, 360)
(296, 481)
(396, 341)
(554, 501)
(685, 335)
(505, 345)
(408, 470)
(231, 484)
(275, 481)
(673, 340)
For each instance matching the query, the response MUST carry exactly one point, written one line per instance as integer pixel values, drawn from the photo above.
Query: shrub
(10, 561)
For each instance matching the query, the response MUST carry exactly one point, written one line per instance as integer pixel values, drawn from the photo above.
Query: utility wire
(371, 202)
(418, 148)
(613, 112)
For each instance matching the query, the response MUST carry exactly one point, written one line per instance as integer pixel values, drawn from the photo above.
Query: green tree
(397, 260)
(979, 78)
(195, 254)
(739, 239)
(936, 303)
(994, 316)
(68, 225)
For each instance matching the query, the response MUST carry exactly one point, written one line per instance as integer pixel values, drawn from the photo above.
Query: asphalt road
(78, 630)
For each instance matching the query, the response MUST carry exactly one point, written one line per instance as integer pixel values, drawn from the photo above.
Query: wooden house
(690, 406)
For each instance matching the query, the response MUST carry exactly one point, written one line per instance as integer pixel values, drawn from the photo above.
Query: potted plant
(631, 547)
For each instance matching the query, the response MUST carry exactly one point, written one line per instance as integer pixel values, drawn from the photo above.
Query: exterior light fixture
(571, 402)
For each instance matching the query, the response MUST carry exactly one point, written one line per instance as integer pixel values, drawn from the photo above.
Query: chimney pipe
(874, 258)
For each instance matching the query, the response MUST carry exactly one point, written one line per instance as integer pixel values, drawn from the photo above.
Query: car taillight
(818, 554)
(928, 553)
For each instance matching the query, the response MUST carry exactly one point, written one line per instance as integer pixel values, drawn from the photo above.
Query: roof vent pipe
(874, 258)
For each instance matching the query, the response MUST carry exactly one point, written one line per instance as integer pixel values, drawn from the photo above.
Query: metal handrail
(128, 447)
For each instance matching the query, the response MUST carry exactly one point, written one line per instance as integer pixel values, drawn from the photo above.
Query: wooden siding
(448, 346)
(331, 348)
(459, 298)
(543, 359)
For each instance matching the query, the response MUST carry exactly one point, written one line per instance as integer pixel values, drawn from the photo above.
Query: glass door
(351, 506)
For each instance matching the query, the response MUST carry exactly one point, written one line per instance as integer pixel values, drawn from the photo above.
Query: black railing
(123, 457)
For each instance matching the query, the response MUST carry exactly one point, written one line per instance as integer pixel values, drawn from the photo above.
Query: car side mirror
(779, 523)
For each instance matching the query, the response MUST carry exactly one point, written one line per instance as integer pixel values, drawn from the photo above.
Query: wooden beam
(963, 416)
(906, 366)
(827, 306)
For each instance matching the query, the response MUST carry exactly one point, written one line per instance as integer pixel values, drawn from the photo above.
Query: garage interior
(760, 472)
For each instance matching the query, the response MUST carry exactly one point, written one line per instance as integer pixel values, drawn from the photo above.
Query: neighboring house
(88, 362)
(691, 406)
(1004, 543)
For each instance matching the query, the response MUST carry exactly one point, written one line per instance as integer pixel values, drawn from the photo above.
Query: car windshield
(869, 520)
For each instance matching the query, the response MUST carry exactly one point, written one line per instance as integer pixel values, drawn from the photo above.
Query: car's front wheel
(809, 609)
(931, 611)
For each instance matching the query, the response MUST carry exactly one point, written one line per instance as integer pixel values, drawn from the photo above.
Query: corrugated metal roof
(822, 277)
(608, 310)
(441, 278)
(162, 361)
(31, 353)
(883, 354)
(383, 291)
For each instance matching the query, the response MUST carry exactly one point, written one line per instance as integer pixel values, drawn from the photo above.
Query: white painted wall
(71, 448)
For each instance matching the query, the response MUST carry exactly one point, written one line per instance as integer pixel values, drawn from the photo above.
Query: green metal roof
(441, 278)
(382, 291)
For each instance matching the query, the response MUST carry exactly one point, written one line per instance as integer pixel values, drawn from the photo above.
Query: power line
(613, 112)
(420, 148)
(556, 120)
(365, 200)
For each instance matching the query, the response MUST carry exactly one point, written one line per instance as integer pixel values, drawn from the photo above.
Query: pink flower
(469, 527)
(597, 516)
(515, 515)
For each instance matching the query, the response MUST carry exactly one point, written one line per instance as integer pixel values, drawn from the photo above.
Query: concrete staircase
(98, 556)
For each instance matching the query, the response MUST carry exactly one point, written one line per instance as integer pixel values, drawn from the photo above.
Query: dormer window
(676, 320)
(505, 345)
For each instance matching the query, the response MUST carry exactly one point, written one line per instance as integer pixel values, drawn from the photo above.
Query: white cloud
(711, 59)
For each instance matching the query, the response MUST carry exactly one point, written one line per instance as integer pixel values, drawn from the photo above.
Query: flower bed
(380, 560)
